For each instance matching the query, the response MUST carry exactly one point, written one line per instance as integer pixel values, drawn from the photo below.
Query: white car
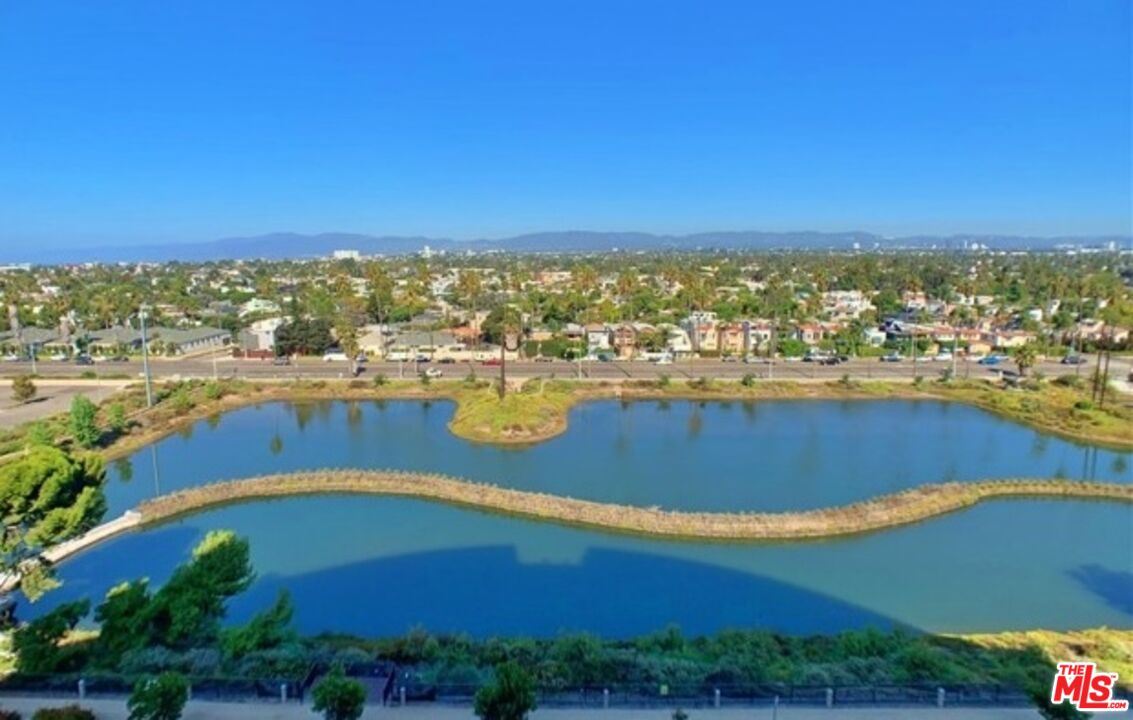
(11, 357)
(943, 357)
(58, 357)
(334, 356)
(433, 372)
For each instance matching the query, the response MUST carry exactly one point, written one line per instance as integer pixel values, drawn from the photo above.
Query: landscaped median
(879, 513)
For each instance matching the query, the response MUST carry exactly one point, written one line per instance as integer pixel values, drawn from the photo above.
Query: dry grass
(887, 511)
(1111, 649)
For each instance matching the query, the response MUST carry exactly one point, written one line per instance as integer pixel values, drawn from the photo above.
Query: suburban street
(316, 368)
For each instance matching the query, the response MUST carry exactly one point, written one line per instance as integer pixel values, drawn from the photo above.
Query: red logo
(1086, 688)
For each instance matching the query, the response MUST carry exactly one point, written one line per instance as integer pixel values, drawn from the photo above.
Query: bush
(23, 389)
(1083, 405)
(510, 696)
(82, 422)
(700, 383)
(116, 418)
(181, 401)
(664, 381)
(1070, 381)
(88, 375)
(213, 391)
(67, 712)
(9, 715)
(159, 698)
(379, 380)
(748, 380)
(337, 697)
(356, 384)
(425, 380)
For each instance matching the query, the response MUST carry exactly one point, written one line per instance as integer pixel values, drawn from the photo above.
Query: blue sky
(130, 122)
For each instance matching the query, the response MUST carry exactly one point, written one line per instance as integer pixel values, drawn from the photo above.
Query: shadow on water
(487, 590)
(1115, 587)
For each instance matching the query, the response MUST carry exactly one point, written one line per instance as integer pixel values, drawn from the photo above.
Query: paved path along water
(116, 710)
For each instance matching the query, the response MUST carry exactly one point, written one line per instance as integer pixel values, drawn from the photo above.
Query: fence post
(775, 709)
(401, 695)
(605, 698)
(940, 697)
(829, 697)
(283, 692)
(716, 699)
(189, 691)
(82, 688)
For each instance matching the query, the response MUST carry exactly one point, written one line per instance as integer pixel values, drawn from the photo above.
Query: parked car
(281, 361)
(447, 361)
(730, 358)
(943, 357)
(334, 356)
(84, 360)
(830, 360)
(491, 361)
(1073, 360)
(991, 360)
(59, 357)
(421, 358)
(433, 372)
(360, 358)
(544, 358)
(665, 360)
(11, 357)
(892, 357)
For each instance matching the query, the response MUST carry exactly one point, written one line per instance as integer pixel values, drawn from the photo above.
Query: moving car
(281, 360)
(491, 361)
(943, 357)
(433, 372)
(992, 360)
(544, 358)
(84, 360)
(892, 357)
(334, 356)
(1073, 360)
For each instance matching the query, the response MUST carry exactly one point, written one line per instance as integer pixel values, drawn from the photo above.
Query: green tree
(116, 418)
(159, 698)
(186, 612)
(123, 619)
(23, 389)
(38, 645)
(265, 631)
(46, 497)
(84, 429)
(338, 697)
(1025, 356)
(510, 695)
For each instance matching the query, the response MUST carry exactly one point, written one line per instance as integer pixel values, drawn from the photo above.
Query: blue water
(779, 455)
(378, 566)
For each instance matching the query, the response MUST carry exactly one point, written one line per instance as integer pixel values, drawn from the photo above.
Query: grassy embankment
(887, 511)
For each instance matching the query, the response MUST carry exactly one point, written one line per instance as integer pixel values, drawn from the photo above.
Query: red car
(493, 361)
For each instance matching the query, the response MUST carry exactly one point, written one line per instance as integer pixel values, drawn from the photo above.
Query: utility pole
(145, 356)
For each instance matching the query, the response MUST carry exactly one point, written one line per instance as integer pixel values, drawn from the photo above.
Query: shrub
(338, 697)
(1070, 381)
(1083, 405)
(9, 715)
(425, 380)
(88, 375)
(664, 381)
(116, 417)
(356, 384)
(214, 391)
(159, 698)
(748, 380)
(510, 695)
(700, 383)
(379, 380)
(181, 401)
(82, 422)
(67, 712)
(680, 714)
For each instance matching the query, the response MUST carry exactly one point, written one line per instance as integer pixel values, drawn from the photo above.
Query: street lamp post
(145, 356)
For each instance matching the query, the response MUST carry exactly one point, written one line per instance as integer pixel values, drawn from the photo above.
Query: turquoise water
(378, 566)
(779, 455)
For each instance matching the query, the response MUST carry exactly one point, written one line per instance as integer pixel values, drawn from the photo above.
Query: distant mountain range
(277, 246)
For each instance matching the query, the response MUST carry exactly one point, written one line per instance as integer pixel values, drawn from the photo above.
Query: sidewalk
(116, 710)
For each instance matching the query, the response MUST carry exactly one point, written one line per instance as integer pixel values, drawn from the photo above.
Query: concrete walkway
(116, 710)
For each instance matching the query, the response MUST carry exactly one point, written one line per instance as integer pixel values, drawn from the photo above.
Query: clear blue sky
(128, 122)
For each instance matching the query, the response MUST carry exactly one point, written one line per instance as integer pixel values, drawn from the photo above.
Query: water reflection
(772, 455)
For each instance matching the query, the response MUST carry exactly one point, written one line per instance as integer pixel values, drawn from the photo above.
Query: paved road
(52, 398)
(116, 710)
(315, 368)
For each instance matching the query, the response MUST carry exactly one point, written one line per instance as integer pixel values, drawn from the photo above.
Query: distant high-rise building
(346, 254)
